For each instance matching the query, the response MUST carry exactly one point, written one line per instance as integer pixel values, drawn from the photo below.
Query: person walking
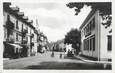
(60, 55)
(52, 55)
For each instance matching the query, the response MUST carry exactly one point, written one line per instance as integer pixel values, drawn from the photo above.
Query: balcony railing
(10, 40)
(9, 25)
(24, 32)
(32, 43)
(32, 35)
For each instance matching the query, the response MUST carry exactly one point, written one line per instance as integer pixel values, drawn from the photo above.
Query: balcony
(32, 35)
(24, 32)
(9, 25)
(32, 43)
(10, 40)
(24, 41)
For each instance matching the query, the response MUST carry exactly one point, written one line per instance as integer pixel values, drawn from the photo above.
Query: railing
(32, 35)
(24, 32)
(10, 40)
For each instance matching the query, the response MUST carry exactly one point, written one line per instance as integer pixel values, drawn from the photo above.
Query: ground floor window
(93, 43)
(89, 44)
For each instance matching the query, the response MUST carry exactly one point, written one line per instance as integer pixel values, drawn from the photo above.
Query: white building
(18, 33)
(96, 40)
(69, 48)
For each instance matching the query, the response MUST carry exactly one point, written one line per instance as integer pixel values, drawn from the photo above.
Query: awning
(15, 45)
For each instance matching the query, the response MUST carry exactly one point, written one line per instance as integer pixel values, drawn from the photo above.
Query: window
(16, 24)
(89, 31)
(84, 43)
(27, 39)
(93, 24)
(109, 46)
(93, 43)
(90, 44)
(85, 31)
(8, 17)
(90, 26)
(16, 36)
(27, 29)
(22, 27)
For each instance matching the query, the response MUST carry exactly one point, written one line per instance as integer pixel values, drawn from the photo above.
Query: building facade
(96, 40)
(42, 43)
(20, 36)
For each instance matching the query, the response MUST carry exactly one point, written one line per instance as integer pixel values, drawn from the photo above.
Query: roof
(20, 15)
(88, 17)
(15, 8)
(25, 17)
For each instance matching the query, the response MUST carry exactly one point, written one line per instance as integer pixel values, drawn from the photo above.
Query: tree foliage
(73, 37)
(103, 7)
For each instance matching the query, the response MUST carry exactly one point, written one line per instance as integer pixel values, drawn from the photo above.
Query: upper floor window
(16, 24)
(27, 29)
(90, 26)
(93, 24)
(8, 17)
(16, 36)
(22, 27)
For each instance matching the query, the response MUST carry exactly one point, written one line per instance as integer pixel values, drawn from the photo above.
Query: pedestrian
(53, 48)
(60, 55)
(52, 55)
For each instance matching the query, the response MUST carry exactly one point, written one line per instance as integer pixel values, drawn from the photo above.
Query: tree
(73, 37)
(103, 7)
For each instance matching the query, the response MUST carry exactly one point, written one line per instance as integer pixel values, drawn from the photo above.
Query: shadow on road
(73, 58)
(66, 66)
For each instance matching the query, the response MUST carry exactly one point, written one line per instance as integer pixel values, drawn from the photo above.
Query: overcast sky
(54, 19)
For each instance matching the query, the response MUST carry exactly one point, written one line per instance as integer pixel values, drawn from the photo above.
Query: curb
(93, 61)
(105, 63)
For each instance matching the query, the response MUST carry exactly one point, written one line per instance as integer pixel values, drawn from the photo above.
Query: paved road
(45, 61)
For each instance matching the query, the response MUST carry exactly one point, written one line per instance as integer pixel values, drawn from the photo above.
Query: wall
(94, 32)
(104, 53)
(35, 43)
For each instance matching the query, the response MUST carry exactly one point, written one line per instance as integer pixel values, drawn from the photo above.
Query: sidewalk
(105, 63)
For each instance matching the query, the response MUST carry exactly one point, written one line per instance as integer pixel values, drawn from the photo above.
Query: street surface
(45, 61)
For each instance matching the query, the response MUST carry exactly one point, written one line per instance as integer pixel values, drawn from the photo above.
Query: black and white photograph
(57, 35)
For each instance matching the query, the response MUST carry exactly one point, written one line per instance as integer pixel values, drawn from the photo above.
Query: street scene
(45, 61)
(57, 36)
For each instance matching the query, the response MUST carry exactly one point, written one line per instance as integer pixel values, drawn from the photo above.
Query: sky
(55, 19)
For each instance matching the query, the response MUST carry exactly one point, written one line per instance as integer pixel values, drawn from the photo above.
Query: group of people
(52, 54)
(68, 50)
